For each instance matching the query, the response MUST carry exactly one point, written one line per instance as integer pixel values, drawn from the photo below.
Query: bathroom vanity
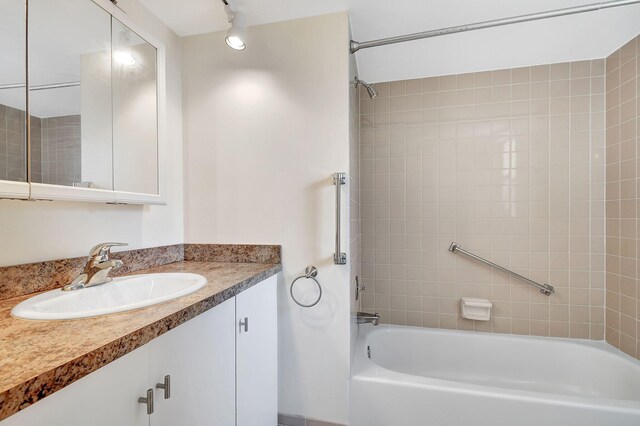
(209, 357)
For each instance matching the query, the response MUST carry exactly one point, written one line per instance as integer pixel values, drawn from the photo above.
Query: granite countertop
(38, 358)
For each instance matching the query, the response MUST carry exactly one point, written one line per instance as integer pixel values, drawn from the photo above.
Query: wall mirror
(70, 93)
(92, 102)
(135, 120)
(13, 152)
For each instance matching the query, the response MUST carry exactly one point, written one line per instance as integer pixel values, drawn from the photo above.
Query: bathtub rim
(364, 369)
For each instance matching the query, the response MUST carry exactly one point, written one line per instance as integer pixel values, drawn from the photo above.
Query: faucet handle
(103, 249)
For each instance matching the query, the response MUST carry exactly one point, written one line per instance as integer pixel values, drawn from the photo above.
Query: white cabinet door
(199, 355)
(106, 397)
(257, 355)
(221, 374)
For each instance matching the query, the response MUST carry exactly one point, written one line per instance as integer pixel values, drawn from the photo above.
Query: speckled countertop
(38, 358)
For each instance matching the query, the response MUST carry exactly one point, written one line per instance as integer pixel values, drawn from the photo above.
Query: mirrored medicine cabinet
(80, 103)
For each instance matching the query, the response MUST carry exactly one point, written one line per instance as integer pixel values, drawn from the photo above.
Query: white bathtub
(420, 376)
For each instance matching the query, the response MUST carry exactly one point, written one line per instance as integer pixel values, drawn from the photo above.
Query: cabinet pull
(148, 400)
(166, 386)
(244, 324)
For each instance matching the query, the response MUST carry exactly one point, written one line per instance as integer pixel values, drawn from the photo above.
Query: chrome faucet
(97, 269)
(365, 318)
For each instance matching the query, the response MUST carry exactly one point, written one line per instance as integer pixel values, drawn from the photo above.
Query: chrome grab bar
(545, 289)
(339, 179)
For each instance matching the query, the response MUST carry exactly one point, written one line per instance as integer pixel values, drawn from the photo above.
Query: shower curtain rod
(356, 45)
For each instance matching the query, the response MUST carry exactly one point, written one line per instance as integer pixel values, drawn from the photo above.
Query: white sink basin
(121, 294)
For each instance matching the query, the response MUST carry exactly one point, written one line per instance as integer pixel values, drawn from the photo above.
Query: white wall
(264, 130)
(36, 231)
(96, 126)
(135, 122)
(354, 202)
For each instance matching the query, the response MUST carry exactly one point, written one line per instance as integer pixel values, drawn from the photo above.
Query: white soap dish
(476, 309)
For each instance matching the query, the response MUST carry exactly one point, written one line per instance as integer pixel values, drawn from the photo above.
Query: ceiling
(576, 37)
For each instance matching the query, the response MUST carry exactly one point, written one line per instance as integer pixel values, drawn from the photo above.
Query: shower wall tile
(12, 144)
(36, 149)
(621, 183)
(510, 164)
(55, 140)
(61, 150)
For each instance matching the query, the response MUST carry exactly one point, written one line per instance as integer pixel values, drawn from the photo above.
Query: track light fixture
(235, 35)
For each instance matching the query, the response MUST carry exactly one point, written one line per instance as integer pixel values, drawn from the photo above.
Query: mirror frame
(14, 190)
(40, 191)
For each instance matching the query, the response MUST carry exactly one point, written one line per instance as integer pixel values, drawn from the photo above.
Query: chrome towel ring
(310, 272)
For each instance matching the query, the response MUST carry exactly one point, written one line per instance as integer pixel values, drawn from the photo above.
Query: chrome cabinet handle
(244, 324)
(148, 400)
(166, 385)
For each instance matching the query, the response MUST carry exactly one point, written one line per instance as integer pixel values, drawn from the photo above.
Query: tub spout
(365, 318)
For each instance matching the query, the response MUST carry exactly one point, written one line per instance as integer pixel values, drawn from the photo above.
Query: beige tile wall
(61, 150)
(12, 144)
(508, 163)
(623, 240)
(55, 148)
(36, 148)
